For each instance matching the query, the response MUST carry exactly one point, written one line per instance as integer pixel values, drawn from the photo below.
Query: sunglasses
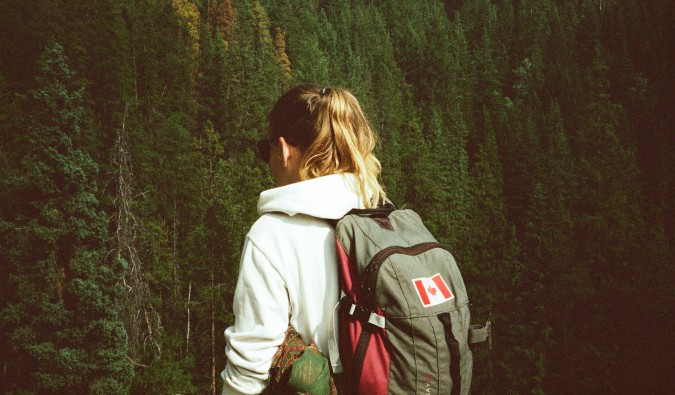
(264, 146)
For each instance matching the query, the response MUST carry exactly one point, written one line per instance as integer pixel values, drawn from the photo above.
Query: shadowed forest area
(534, 137)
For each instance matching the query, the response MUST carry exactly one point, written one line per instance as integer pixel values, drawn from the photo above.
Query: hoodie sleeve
(261, 310)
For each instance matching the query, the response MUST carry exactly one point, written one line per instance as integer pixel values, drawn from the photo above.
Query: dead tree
(141, 320)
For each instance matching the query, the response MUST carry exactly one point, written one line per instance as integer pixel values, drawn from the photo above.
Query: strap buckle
(361, 313)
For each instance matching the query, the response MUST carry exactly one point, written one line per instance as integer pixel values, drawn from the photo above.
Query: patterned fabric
(299, 369)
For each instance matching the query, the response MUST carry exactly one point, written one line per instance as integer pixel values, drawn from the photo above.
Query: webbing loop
(453, 346)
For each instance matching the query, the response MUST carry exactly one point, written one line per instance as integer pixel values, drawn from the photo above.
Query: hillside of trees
(534, 137)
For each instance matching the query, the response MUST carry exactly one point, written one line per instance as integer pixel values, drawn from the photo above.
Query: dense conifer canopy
(534, 137)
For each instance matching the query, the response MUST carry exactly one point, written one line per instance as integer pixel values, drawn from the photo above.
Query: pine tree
(567, 281)
(493, 273)
(212, 81)
(609, 222)
(61, 330)
(533, 136)
(282, 56)
(302, 23)
(7, 111)
(221, 19)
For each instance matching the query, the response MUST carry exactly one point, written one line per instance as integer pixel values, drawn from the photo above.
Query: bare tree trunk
(174, 239)
(187, 339)
(135, 74)
(141, 320)
(213, 337)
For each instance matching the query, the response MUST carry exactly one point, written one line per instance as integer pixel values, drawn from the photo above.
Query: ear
(288, 152)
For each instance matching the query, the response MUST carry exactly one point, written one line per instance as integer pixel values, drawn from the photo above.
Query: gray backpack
(403, 319)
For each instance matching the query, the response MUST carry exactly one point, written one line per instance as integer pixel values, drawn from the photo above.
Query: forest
(534, 137)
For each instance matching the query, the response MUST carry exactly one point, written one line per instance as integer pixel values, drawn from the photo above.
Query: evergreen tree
(61, 331)
(609, 212)
(493, 273)
(304, 26)
(7, 111)
(567, 285)
(533, 136)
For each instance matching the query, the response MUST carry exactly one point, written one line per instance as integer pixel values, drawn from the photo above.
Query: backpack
(403, 319)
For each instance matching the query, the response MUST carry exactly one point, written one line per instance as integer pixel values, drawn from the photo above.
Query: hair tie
(323, 92)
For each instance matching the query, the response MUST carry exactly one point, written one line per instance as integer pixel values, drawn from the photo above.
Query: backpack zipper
(373, 268)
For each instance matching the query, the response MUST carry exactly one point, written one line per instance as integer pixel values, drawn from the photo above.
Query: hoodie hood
(329, 197)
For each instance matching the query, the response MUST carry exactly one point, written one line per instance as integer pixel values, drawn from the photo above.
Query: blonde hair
(333, 134)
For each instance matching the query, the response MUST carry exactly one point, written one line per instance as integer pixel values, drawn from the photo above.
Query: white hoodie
(288, 274)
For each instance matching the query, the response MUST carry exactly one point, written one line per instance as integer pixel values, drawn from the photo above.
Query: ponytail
(330, 128)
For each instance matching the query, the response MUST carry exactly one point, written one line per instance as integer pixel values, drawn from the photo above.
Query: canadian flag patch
(432, 290)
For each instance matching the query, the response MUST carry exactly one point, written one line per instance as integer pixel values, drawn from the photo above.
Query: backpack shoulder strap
(382, 211)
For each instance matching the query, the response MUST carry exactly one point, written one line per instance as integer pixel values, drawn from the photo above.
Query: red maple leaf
(431, 290)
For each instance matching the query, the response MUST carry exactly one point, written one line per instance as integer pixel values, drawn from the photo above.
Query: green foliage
(168, 374)
(61, 316)
(532, 136)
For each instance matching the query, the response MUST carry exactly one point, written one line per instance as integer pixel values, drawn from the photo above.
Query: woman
(320, 152)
